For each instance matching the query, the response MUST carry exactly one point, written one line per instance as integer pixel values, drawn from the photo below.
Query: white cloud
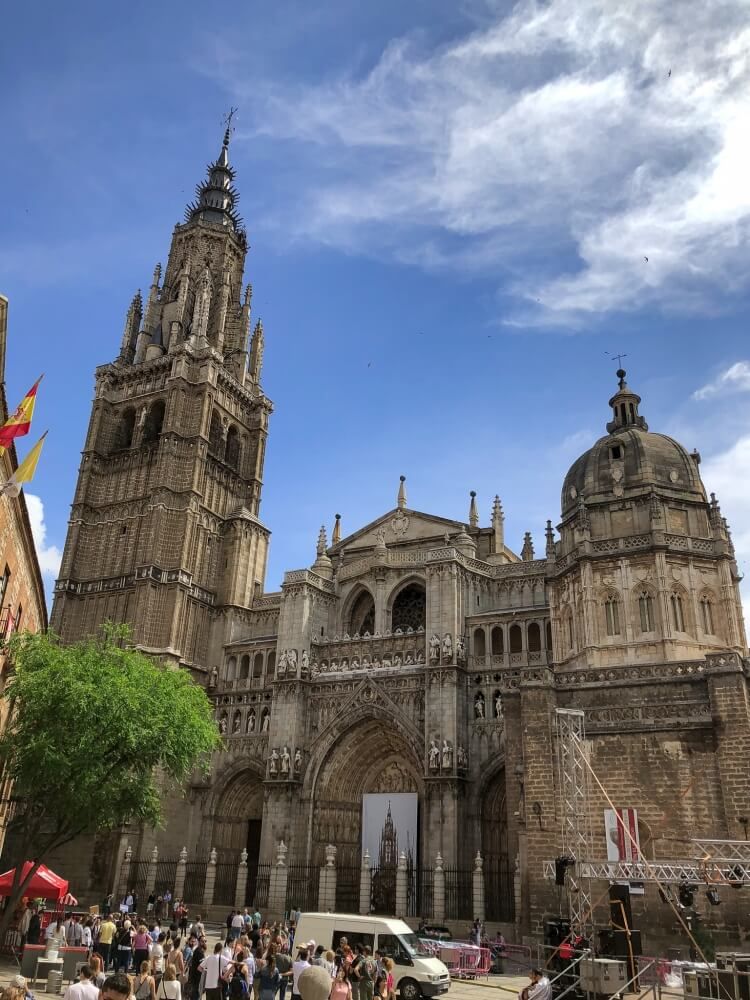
(49, 556)
(735, 379)
(551, 146)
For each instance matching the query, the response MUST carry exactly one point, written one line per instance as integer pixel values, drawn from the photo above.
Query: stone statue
(376, 662)
(433, 755)
(386, 662)
(345, 664)
(281, 667)
(409, 660)
(434, 648)
(365, 662)
(286, 760)
(396, 660)
(237, 723)
(314, 669)
(447, 756)
(250, 724)
(223, 725)
(298, 760)
(355, 664)
(461, 759)
(460, 649)
(380, 538)
(266, 721)
(273, 766)
(420, 656)
(498, 705)
(479, 706)
(213, 677)
(305, 665)
(447, 647)
(291, 658)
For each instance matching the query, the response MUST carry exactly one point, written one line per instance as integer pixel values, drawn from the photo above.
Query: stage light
(713, 897)
(561, 865)
(686, 893)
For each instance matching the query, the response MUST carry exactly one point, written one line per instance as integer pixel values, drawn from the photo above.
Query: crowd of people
(130, 958)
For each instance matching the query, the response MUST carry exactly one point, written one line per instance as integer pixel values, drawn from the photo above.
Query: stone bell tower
(164, 530)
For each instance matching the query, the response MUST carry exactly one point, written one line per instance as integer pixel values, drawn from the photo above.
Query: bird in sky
(646, 259)
(669, 74)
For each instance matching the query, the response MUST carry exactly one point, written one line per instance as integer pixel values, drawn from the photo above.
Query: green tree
(97, 734)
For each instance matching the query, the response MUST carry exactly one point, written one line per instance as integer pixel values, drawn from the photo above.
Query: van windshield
(413, 946)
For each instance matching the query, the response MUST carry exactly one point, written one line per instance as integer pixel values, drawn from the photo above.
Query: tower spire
(216, 197)
(257, 345)
(336, 534)
(498, 524)
(473, 512)
(401, 501)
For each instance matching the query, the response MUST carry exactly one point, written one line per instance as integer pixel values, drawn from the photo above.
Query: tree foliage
(98, 732)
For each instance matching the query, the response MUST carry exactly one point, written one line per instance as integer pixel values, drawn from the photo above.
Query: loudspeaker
(556, 929)
(620, 947)
(620, 894)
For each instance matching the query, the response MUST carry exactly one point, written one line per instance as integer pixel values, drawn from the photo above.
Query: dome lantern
(624, 405)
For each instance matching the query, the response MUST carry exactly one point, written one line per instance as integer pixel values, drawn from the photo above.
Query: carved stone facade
(418, 653)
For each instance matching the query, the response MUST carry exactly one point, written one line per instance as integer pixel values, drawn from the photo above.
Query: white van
(415, 972)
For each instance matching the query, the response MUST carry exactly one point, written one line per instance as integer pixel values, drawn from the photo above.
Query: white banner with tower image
(390, 826)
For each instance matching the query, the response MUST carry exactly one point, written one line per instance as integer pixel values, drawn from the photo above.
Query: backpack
(237, 987)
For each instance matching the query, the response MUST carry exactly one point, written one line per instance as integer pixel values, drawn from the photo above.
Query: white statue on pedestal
(286, 760)
(447, 756)
(273, 766)
(433, 755)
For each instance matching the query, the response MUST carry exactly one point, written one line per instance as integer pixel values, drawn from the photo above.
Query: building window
(612, 616)
(570, 632)
(258, 665)
(678, 620)
(244, 667)
(126, 429)
(17, 622)
(232, 452)
(480, 644)
(616, 452)
(4, 586)
(646, 609)
(516, 639)
(214, 436)
(498, 641)
(707, 616)
(534, 638)
(231, 668)
(154, 421)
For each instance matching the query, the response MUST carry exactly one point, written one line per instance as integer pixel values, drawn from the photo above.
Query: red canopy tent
(44, 883)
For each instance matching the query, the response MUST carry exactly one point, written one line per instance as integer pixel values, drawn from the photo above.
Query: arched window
(516, 639)
(646, 611)
(480, 644)
(362, 618)
(534, 637)
(125, 429)
(678, 619)
(258, 665)
(231, 668)
(232, 453)
(244, 667)
(154, 421)
(707, 615)
(409, 608)
(214, 436)
(612, 615)
(571, 636)
(498, 641)
(271, 663)
(548, 636)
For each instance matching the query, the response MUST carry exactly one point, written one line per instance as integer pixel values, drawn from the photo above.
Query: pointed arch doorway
(238, 823)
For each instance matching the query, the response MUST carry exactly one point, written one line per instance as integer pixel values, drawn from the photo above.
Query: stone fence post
(240, 889)
(402, 877)
(179, 875)
(208, 888)
(151, 873)
(278, 881)
(365, 885)
(438, 891)
(125, 873)
(477, 888)
(327, 883)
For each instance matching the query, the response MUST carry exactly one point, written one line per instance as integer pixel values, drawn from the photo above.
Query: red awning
(44, 884)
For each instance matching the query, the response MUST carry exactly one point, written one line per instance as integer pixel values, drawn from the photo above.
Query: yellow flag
(25, 471)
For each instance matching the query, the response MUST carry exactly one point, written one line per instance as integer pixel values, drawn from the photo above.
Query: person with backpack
(169, 986)
(270, 979)
(144, 987)
(367, 973)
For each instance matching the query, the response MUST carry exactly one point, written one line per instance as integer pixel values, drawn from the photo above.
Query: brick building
(419, 653)
(22, 602)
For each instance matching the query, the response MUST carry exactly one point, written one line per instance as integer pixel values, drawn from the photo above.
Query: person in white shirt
(169, 987)
(238, 925)
(156, 954)
(214, 966)
(298, 968)
(85, 988)
(538, 989)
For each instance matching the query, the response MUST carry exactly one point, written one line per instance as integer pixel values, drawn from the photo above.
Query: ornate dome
(631, 459)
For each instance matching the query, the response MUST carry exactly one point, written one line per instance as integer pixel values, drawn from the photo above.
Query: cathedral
(417, 654)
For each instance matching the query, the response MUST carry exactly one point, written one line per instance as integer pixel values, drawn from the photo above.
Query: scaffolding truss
(576, 825)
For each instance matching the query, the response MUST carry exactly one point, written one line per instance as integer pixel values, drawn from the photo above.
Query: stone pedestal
(240, 890)
(179, 878)
(477, 888)
(151, 873)
(125, 872)
(208, 889)
(365, 885)
(402, 876)
(438, 891)
(327, 883)
(278, 881)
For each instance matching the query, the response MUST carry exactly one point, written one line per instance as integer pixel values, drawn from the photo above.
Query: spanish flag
(19, 422)
(25, 471)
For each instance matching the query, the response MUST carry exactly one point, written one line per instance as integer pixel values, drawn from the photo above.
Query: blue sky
(449, 207)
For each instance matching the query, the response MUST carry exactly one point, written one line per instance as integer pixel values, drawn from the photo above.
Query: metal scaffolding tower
(576, 823)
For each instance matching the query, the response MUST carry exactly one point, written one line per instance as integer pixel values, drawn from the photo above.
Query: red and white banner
(623, 843)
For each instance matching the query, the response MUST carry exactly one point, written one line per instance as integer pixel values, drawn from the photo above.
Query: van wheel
(408, 990)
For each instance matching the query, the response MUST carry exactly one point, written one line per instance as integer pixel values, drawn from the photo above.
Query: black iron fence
(195, 882)
(499, 898)
(166, 870)
(383, 890)
(421, 894)
(458, 894)
(302, 887)
(347, 889)
(137, 879)
(258, 884)
(226, 883)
